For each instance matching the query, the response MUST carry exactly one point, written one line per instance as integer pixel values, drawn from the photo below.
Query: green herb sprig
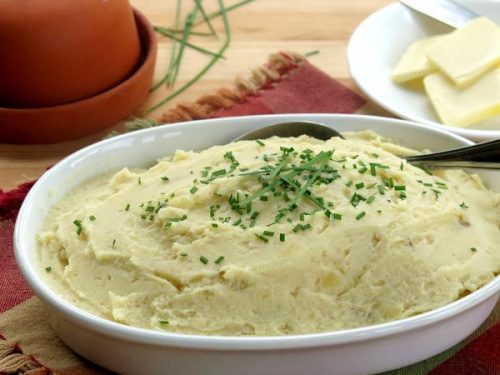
(208, 66)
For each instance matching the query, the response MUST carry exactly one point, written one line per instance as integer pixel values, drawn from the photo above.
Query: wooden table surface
(258, 29)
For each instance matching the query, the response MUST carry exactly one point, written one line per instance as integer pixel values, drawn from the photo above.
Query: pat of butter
(463, 107)
(468, 52)
(414, 62)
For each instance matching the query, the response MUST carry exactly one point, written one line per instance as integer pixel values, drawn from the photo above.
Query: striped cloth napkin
(288, 83)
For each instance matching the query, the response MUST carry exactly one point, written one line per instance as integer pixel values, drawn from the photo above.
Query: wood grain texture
(258, 29)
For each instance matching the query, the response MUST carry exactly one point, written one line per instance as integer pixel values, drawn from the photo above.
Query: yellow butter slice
(414, 62)
(464, 107)
(468, 52)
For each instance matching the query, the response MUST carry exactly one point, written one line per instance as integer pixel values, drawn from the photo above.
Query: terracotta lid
(80, 118)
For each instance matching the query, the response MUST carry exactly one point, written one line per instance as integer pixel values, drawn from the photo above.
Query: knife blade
(445, 11)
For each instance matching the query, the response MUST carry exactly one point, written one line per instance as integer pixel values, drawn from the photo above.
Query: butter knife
(445, 11)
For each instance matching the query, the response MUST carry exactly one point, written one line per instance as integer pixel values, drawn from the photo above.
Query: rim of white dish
(355, 66)
(229, 343)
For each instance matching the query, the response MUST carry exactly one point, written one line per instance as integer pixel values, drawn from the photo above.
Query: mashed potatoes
(283, 236)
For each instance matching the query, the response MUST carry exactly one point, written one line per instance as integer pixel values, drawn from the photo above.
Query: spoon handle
(482, 155)
(432, 164)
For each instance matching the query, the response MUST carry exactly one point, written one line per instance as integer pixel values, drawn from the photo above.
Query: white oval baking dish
(130, 350)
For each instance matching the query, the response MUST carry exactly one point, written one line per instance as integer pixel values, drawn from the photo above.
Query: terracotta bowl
(84, 117)
(58, 52)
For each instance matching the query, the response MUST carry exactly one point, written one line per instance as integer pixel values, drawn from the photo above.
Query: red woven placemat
(286, 84)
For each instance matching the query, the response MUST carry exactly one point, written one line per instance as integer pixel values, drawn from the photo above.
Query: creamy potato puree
(283, 236)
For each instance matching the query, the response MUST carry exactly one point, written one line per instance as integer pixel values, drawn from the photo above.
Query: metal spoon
(483, 155)
(292, 129)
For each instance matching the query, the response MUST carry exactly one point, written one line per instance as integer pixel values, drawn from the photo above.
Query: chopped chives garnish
(254, 215)
(139, 181)
(193, 190)
(215, 225)
(203, 259)
(261, 237)
(424, 168)
(401, 166)
(183, 254)
(356, 198)
(220, 172)
(79, 227)
(370, 199)
(165, 178)
(92, 218)
(48, 269)
(337, 216)
(263, 198)
(473, 249)
(360, 215)
(219, 260)
(237, 222)
(127, 207)
(282, 237)
(163, 322)
(268, 233)
(363, 169)
(436, 193)
(213, 208)
(349, 184)
(381, 189)
(175, 219)
(399, 187)
(114, 243)
(374, 166)
(463, 205)
(441, 185)
(359, 185)
(300, 227)
(260, 143)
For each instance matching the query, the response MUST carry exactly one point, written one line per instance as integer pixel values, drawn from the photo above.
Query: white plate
(130, 350)
(375, 48)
